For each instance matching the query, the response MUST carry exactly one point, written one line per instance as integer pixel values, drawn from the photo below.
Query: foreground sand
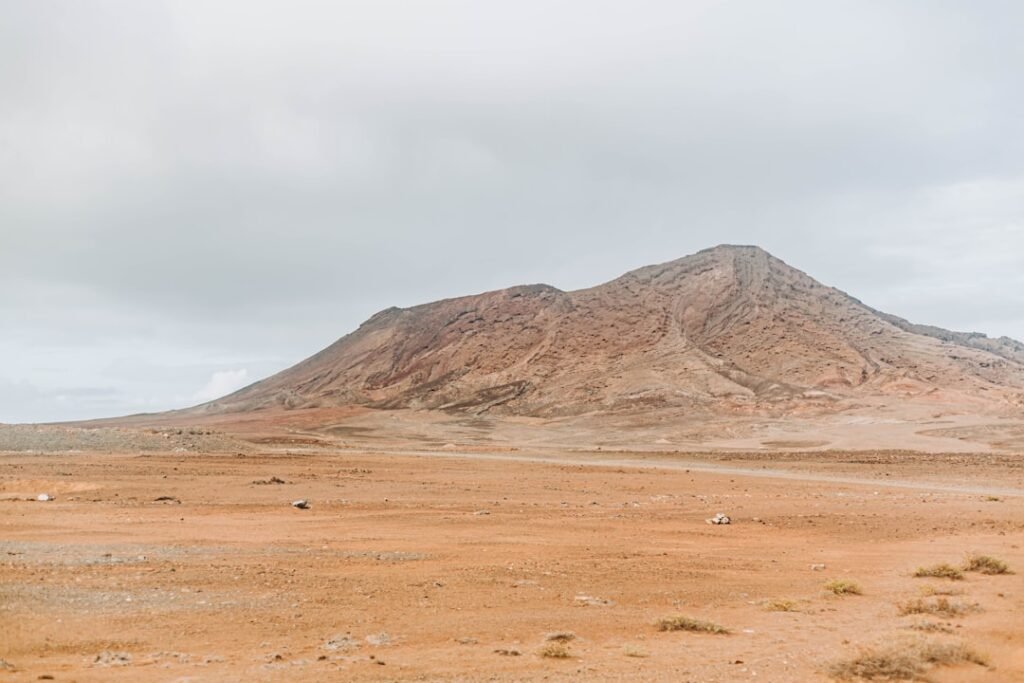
(428, 567)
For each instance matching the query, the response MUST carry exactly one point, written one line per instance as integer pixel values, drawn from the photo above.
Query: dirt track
(414, 568)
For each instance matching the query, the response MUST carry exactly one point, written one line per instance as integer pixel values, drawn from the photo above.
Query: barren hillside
(727, 329)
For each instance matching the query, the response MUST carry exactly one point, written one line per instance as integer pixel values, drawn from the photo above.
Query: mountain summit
(728, 328)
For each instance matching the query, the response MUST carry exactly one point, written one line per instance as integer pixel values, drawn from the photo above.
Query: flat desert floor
(501, 566)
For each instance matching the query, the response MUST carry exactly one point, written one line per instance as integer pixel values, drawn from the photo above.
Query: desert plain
(175, 554)
(519, 485)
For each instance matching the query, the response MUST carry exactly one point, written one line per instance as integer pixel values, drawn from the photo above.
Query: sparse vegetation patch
(985, 564)
(843, 587)
(941, 606)
(555, 651)
(904, 661)
(680, 623)
(940, 571)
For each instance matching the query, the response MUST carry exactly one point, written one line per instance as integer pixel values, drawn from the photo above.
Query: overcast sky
(194, 195)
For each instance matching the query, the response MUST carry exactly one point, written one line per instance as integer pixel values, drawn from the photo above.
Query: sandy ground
(456, 566)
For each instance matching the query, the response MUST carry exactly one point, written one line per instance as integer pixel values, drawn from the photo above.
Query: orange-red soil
(426, 567)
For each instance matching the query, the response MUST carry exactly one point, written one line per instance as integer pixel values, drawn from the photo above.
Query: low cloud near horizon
(187, 189)
(222, 383)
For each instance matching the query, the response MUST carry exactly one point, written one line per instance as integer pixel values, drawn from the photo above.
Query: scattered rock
(560, 636)
(272, 480)
(466, 641)
(482, 512)
(592, 601)
(7, 666)
(179, 657)
(166, 499)
(820, 567)
(53, 438)
(108, 658)
(44, 497)
(341, 643)
(719, 518)
(301, 504)
(379, 639)
(508, 652)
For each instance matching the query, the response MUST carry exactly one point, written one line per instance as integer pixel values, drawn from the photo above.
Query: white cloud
(222, 383)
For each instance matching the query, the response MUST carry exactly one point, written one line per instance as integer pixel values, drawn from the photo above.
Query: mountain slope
(728, 328)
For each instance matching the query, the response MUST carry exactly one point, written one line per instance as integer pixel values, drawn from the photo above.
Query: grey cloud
(233, 185)
(21, 401)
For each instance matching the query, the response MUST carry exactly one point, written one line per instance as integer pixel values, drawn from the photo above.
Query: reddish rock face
(726, 329)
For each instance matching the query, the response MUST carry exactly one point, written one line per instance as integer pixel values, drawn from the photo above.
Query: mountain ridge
(729, 328)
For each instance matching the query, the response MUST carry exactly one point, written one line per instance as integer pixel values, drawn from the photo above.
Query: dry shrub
(904, 660)
(781, 606)
(941, 606)
(946, 653)
(888, 665)
(928, 591)
(555, 651)
(940, 571)
(560, 636)
(985, 564)
(843, 587)
(680, 623)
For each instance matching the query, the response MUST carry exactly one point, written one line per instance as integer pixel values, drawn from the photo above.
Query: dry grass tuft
(631, 651)
(886, 665)
(986, 564)
(555, 651)
(942, 606)
(843, 587)
(679, 623)
(940, 571)
(904, 660)
(928, 591)
(945, 653)
(560, 636)
(781, 606)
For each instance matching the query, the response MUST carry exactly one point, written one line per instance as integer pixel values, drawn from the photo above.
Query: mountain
(730, 328)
